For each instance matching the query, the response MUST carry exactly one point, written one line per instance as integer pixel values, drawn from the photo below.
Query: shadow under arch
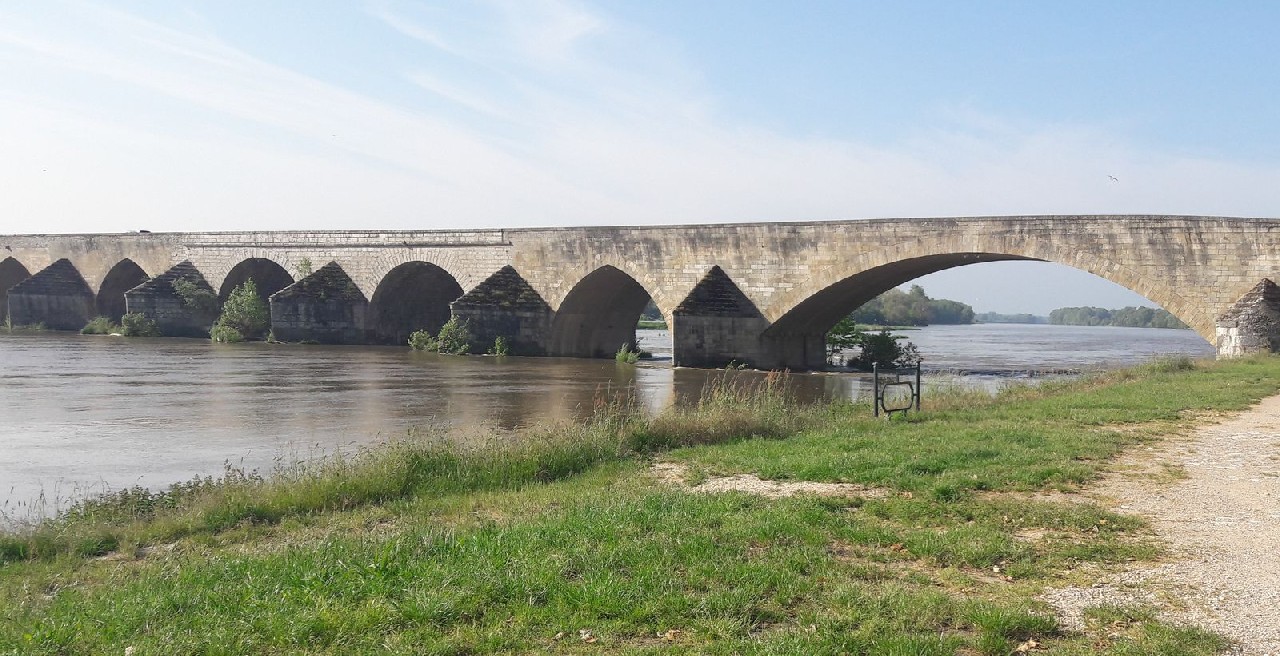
(598, 316)
(122, 277)
(413, 296)
(12, 272)
(268, 276)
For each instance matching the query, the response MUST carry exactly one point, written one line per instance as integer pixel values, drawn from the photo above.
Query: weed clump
(136, 324)
(100, 326)
(454, 338)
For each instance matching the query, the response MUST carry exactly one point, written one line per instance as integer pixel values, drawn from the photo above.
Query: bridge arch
(879, 270)
(412, 296)
(12, 272)
(803, 315)
(267, 275)
(599, 315)
(125, 275)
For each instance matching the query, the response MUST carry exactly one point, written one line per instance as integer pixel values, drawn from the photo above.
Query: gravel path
(1222, 521)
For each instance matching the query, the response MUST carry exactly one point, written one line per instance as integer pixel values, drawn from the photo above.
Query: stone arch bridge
(758, 293)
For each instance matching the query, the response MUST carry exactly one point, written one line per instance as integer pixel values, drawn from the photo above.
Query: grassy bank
(559, 538)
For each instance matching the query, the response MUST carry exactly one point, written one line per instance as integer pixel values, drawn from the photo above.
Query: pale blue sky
(172, 115)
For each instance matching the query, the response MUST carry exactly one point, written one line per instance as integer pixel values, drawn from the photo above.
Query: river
(86, 414)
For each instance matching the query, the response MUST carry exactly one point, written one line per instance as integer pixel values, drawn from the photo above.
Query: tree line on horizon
(911, 308)
(1127, 317)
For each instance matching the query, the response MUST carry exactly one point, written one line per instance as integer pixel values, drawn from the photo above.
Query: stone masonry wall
(1195, 267)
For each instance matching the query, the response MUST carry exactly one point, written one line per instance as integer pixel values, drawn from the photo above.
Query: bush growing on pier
(501, 346)
(136, 324)
(454, 338)
(423, 340)
(225, 334)
(245, 312)
(195, 297)
(627, 355)
(99, 326)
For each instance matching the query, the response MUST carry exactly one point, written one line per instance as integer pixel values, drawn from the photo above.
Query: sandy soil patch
(677, 475)
(1221, 515)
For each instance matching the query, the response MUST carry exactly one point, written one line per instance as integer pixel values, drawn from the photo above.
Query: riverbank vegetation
(560, 537)
(1129, 317)
(911, 308)
(996, 317)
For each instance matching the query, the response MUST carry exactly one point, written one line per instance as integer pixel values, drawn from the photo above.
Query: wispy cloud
(510, 113)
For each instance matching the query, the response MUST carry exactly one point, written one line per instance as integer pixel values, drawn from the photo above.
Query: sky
(172, 115)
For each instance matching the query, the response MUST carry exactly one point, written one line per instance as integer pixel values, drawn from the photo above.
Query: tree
(245, 312)
(843, 336)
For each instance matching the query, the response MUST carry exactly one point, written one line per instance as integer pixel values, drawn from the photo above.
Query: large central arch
(796, 336)
(598, 316)
(819, 312)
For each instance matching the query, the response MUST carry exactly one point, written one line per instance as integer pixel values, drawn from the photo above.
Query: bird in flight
(1113, 178)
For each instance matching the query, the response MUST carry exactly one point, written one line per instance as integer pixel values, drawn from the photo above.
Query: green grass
(558, 539)
(645, 324)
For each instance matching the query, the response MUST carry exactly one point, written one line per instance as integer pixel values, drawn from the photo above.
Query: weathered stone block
(1252, 325)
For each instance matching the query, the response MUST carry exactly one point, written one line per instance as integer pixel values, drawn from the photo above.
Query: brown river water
(81, 415)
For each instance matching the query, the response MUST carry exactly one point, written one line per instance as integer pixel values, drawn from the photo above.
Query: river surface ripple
(86, 414)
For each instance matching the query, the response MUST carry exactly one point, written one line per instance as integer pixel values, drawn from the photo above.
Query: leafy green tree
(455, 337)
(198, 298)
(844, 336)
(245, 312)
(136, 324)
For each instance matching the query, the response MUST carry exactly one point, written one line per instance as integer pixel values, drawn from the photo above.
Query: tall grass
(424, 463)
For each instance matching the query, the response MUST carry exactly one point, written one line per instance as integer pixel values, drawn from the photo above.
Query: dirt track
(1223, 524)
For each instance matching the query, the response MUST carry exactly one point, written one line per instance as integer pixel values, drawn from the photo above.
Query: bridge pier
(174, 316)
(717, 325)
(504, 305)
(56, 296)
(325, 307)
(1252, 324)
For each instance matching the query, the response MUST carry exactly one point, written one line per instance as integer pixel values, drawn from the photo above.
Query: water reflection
(85, 412)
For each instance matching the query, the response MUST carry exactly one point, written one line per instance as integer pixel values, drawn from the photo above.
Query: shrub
(454, 337)
(500, 346)
(882, 349)
(99, 326)
(136, 324)
(626, 354)
(198, 298)
(225, 334)
(421, 340)
(245, 312)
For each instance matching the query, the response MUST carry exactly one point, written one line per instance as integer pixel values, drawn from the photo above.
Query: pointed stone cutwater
(505, 305)
(325, 307)
(56, 296)
(176, 314)
(1252, 325)
(716, 324)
